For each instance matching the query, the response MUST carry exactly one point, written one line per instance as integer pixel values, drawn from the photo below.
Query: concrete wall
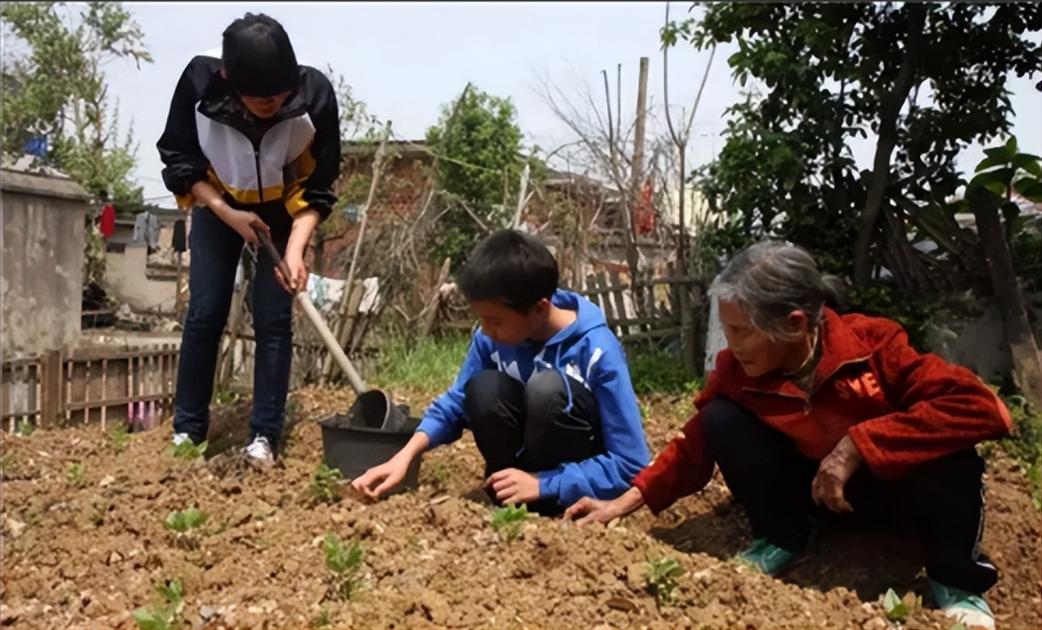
(127, 278)
(41, 280)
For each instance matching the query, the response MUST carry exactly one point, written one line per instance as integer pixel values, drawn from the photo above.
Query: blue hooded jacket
(588, 352)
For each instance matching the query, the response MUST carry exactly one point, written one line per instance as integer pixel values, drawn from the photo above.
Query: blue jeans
(215, 250)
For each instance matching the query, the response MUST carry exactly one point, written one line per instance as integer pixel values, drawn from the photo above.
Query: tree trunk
(637, 173)
(1027, 362)
(890, 109)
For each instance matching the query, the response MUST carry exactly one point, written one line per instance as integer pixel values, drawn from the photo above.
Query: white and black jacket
(290, 160)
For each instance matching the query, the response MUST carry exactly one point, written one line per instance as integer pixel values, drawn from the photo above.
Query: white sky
(405, 60)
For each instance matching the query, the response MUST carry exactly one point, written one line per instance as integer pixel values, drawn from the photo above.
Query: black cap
(258, 57)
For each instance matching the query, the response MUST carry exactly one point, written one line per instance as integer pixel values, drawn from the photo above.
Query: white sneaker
(180, 438)
(259, 453)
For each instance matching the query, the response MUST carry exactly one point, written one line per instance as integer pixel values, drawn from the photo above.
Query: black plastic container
(354, 451)
(371, 432)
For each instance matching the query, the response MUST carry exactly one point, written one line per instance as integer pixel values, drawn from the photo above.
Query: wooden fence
(90, 385)
(238, 347)
(652, 309)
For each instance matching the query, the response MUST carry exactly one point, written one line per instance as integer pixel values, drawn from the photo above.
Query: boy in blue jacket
(544, 388)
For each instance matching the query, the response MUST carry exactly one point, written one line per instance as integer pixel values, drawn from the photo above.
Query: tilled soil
(86, 557)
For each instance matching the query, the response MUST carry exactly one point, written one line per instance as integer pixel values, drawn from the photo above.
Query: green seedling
(24, 428)
(958, 626)
(6, 463)
(164, 616)
(345, 563)
(899, 608)
(662, 579)
(183, 525)
(325, 486)
(119, 436)
(322, 619)
(188, 451)
(74, 475)
(225, 397)
(439, 474)
(508, 521)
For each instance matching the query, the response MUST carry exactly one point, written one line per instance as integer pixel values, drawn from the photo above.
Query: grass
(429, 364)
(1025, 445)
(660, 372)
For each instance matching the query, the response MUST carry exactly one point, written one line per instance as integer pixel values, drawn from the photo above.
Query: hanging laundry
(107, 221)
(140, 227)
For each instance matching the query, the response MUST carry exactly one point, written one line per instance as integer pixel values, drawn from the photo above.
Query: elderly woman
(809, 408)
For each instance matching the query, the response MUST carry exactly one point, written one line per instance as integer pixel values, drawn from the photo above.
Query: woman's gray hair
(770, 280)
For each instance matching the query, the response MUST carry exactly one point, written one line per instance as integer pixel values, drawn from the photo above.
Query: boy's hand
(384, 477)
(513, 486)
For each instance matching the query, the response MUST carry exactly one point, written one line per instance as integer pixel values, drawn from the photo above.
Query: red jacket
(900, 407)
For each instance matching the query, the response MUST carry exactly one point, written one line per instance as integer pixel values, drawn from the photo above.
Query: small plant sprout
(662, 579)
(74, 475)
(325, 486)
(188, 451)
(322, 619)
(24, 428)
(6, 463)
(120, 436)
(164, 616)
(439, 474)
(899, 608)
(508, 521)
(345, 563)
(183, 525)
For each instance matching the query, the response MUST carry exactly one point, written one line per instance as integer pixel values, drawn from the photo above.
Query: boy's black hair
(258, 56)
(509, 267)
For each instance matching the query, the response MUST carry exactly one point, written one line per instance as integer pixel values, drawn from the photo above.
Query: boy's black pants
(533, 427)
(771, 479)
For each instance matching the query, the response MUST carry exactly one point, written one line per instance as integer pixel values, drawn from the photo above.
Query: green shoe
(769, 559)
(962, 606)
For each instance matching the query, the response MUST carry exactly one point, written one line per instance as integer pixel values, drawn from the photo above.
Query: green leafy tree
(923, 80)
(478, 166)
(1006, 172)
(56, 88)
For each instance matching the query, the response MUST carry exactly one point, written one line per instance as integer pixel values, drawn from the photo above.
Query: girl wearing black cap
(252, 141)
